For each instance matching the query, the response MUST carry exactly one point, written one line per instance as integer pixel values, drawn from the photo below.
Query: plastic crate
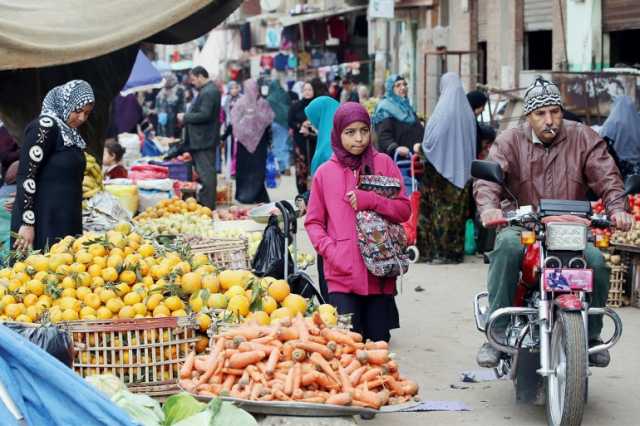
(616, 287)
(223, 253)
(144, 353)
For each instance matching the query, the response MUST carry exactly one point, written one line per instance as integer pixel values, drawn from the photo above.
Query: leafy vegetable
(179, 407)
(142, 408)
(219, 413)
(106, 383)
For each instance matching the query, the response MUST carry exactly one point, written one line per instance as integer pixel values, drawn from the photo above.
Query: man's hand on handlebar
(492, 217)
(622, 220)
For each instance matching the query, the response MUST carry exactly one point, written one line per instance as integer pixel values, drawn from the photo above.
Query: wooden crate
(616, 286)
(144, 353)
(224, 253)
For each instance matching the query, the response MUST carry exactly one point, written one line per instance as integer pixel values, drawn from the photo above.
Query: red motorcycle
(545, 347)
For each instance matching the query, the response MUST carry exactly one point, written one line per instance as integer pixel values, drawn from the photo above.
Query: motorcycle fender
(568, 302)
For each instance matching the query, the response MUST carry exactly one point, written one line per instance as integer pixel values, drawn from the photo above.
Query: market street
(438, 340)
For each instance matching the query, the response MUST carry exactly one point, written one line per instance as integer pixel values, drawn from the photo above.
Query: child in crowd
(111, 161)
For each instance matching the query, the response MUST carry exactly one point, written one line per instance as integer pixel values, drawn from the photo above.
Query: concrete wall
(504, 42)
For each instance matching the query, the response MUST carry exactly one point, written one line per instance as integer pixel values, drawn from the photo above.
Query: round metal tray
(262, 213)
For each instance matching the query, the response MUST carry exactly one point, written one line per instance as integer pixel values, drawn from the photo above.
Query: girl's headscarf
(61, 101)
(394, 106)
(623, 127)
(348, 113)
(250, 116)
(320, 113)
(450, 137)
(280, 102)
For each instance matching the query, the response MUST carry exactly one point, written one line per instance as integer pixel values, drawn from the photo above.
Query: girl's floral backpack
(383, 244)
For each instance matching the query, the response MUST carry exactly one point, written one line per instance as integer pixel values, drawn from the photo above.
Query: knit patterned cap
(540, 94)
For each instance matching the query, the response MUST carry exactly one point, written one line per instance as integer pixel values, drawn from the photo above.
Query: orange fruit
(174, 303)
(191, 282)
(239, 305)
(269, 304)
(109, 274)
(279, 290)
(296, 303)
(146, 250)
(35, 287)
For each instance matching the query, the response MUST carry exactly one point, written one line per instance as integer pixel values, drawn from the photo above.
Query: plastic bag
(469, 238)
(269, 258)
(127, 195)
(56, 341)
(103, 212)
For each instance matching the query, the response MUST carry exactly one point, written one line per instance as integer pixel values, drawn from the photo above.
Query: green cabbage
(219, 413)
(180, 406)
(142, 408)
(106, 383)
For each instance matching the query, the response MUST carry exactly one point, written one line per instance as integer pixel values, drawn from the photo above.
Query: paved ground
(438, 340)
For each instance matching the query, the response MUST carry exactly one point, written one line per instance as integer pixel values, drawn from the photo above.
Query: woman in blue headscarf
(449, 147)
(621, 130)
(395, 121)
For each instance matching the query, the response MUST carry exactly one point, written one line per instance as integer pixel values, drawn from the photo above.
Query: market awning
(287, 20)
(36, 33)
(143, 76)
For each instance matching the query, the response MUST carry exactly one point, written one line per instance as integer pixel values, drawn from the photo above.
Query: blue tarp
(47, 392)
(143, 75)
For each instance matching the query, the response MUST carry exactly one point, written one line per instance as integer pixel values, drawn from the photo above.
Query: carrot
(212, 362)
(256, 391)
(235, 342)
(370, 375)
(355, 376)
(315, 347)
(233, 371)
(298, 355)
(262, 367)
(285, 365)
(348, 350)
(265, 340)
(248, 333)
(187, 367)
(216, 379)
(209, 394)
(343, 398)
(367, 397)
(297, 394)
(297, 377)
(281, 395)
(345, 360)
(242, 359)
(287, 333)
(356, 337)
(384, 396)
(332, 346)
(200, 363)
(394, 385)
(319, 361)
(252, 346)
(317, 320)
(301, 327)
(337, 336)
(288, 384)
(280, 376)
(273, 360)
(376, 345)
(229, 381)
(287, 350)
(324, 381)
(410, 387)
(392, 365)
(318, 339)
(353, 366)
(373, 356)
(255, 374)
(266, 397)
(344, 378)
(374, 384)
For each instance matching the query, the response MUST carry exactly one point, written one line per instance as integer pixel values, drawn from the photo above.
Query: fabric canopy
(36, 33)
(143, 76)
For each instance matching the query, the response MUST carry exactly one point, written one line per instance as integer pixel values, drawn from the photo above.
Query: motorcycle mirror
(491, 171)
(632, 185)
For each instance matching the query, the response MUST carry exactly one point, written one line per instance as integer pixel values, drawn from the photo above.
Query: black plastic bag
(269, 258)
(302, 284)
(54, 340)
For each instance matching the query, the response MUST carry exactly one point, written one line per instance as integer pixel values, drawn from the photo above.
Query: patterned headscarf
(394, 106)
(540, 94)
(61, 101)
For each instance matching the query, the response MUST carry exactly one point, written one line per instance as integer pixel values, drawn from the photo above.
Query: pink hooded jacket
(331, 224)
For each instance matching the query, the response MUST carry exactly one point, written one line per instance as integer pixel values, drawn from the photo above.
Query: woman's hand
(24, 241)
(353, 200)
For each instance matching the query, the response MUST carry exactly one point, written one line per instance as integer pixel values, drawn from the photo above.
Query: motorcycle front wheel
(567, 386)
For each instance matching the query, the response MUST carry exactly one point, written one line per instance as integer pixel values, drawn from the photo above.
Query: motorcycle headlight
(566, 236)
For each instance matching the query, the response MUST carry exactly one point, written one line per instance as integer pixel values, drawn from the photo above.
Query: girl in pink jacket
(331, 223)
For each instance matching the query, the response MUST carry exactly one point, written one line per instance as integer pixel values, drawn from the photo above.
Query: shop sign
(382, 9)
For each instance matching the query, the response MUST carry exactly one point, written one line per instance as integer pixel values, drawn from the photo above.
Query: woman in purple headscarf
(331, 223)
(251, 119)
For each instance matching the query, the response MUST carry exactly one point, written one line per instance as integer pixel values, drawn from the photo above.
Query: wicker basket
(224, 253)
(616, 287)
(144, 353)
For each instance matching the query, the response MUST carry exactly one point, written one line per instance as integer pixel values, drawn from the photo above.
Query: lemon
(204, 321)
(104, 313)
(153, 301)
(126, 312)
(260, 317)
(109, 274)
(296, 303)
(239, 305)
(179, 313)
(191, 282)
(161, 311)
(217, 301)
(329, 319)
(280, 313)
(146, 250)
(140, 308)
(132, 298)
(115, 304)
(269, 304)
(128, 277)
(30, 300)
(92, 300)
(211, 283)
(196, 303)
(279, 290)
(82, 292)
(200, 260)
(69, 292)
(87, 310)
(24, 318)
(235, 291)
(174, 303)
(69, 315)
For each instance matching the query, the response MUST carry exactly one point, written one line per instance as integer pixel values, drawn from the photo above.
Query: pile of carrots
(299, 360)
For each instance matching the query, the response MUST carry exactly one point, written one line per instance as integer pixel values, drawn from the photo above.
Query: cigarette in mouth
(553, 132)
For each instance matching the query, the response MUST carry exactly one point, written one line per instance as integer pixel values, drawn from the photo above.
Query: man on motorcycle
(547, 157)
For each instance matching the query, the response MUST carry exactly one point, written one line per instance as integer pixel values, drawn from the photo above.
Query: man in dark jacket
(202, 123)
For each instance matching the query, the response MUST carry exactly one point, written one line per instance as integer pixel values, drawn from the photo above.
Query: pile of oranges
(119, 274)
(175, 206)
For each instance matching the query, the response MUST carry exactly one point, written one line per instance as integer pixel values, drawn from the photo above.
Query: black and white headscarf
(61, 101)
(540, 94)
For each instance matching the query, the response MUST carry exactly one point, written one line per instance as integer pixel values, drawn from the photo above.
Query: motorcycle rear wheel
(566, 388)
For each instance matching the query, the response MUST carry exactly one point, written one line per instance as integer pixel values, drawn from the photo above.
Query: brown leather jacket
(574, 162)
